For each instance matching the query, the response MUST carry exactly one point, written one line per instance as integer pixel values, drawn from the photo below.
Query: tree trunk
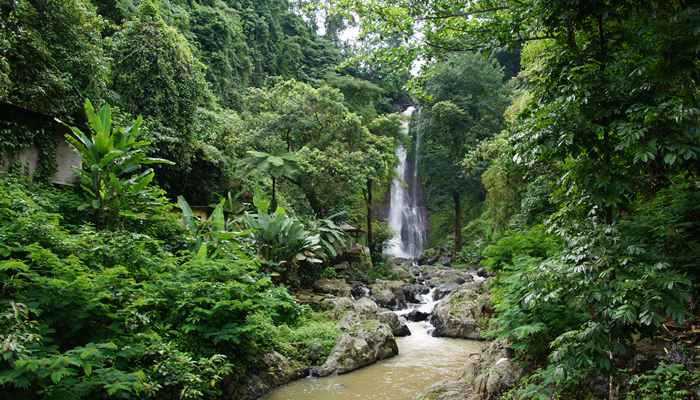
(273, 203)
(458, 224)
(368, 200)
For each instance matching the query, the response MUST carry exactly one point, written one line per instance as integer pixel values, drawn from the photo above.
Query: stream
(422, 361)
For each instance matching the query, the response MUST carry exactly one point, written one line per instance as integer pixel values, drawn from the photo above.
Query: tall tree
(464, 104)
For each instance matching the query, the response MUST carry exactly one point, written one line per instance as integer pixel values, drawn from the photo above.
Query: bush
(310, 340)
(534, 242)
(95, 314)
(666, 382)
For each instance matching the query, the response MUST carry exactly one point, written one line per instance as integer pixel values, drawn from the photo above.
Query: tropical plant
(112, 159)
(283, 242)
(210, 233)
(275, 166)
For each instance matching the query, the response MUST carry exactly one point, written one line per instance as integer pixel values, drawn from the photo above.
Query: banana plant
(282, 241)
(112, 163)
(209, 233)
(333, 239)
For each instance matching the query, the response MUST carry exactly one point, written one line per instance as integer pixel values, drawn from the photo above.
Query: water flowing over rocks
(413, 292)
(463, 313)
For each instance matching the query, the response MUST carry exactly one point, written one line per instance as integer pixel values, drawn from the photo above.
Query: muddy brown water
(422, 361)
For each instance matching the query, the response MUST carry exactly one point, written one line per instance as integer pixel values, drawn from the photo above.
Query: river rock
(492, 371)
(366, 307)
(363, 342)
(336, 287)
(398, 327)
(413, 292)
(338, 306)
(447, 390)
(417, 316)
(359, 290)
(439, 276)
(272, 370)
(445, 289)
(462, 313)
(388, 294)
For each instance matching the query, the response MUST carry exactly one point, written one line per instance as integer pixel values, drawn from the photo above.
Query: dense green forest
(237, 152)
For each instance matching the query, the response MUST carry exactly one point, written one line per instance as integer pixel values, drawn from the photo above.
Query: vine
(16, 137)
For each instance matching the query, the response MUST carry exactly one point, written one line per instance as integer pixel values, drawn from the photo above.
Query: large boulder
(439, 276)
(398, 327)
(414, 292)
(359, 290)
(338, 306)
(336, 287)
(492, 371)
(388, 294)
(462, 314)
(445, 289)
(272, 370)
(363, 342)
(366, 307)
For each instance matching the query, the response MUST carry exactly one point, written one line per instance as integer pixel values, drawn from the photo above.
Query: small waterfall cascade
(406, 212)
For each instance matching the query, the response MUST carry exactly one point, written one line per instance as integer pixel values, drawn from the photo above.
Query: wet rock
(447, 390)
(445, 289)
(388, 294)
(272, 370)
(336, 287)
(366, 307)
(462, 314)
(417, 316)
(363, 342)
(492, 371)
(482, 272)
(439, 276)
(397, 325)
(413, 292)
(359, 290)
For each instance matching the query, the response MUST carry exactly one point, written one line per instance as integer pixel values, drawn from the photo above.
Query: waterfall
(406, 213)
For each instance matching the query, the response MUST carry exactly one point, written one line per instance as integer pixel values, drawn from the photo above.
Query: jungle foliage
(589, 216)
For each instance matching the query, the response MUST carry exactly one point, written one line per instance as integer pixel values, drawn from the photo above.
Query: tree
(275, 166)
(331, 144)
(51, 56)
(157, 75)
(464, 104)
(112, 159)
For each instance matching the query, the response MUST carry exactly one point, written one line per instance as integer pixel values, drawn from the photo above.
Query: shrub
(666, 382)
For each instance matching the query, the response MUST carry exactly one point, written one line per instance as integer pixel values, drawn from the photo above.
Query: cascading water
(406, 214)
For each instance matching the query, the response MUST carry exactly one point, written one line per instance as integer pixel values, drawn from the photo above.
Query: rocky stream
(417, 337)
